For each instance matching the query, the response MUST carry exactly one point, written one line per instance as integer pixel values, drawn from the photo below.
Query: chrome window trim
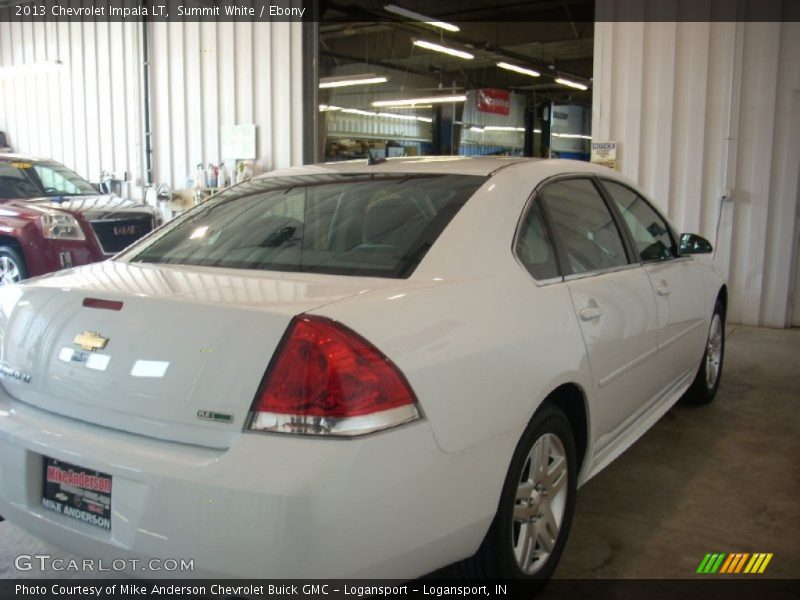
(597, 272)
(674, 259)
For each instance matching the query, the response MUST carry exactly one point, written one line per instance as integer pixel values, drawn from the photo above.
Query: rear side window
(534, 246)
(584, 226)
(373, 225)
(650, 232)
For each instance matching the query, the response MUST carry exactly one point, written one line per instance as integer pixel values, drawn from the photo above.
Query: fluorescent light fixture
(417, 101)
(406, 106)
(516, 69)
(348, 80)
(503, 128)
(358, 111)
(385, 115)
(414, 16)
(572, 84)
(443, 49)
(476, 129)
(573, 136)
(328, 107)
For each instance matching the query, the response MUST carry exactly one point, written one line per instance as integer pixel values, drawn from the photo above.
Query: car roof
(23, 157)
(449, 165)
(455, 165)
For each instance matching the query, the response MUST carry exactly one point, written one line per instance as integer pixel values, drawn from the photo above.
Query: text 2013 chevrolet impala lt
(355, 370)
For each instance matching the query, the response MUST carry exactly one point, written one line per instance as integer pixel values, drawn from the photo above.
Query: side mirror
(691, 243)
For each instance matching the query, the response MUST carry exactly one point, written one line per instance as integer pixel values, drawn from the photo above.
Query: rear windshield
(370, 225)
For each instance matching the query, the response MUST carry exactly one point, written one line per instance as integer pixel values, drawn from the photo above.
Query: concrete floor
(718, 478)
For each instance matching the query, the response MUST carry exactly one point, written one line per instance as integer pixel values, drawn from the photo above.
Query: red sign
(493, 101)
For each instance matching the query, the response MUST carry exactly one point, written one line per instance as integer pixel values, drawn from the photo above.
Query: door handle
(587, 313)
(663, 290)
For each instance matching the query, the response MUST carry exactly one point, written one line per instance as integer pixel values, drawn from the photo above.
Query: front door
(683, 326)
(613, 301)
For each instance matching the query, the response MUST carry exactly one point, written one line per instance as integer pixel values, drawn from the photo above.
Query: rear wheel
(534, 515)
(12, 266)
(706, 382)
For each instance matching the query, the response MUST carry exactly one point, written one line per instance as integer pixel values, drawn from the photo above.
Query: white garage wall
(67, 111)
(204, 76)
(698, 107)
(209, 75)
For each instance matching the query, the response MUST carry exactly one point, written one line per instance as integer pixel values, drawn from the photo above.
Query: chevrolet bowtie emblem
(90, 340)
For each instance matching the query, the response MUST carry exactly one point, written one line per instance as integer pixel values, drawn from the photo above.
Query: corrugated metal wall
(697, 107)
(209, 75)
(87, 111)
(83, 111)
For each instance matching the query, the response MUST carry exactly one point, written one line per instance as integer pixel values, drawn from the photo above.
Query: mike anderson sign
(493, 101)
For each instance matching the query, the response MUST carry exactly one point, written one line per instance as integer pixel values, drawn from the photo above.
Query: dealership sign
(493, 101)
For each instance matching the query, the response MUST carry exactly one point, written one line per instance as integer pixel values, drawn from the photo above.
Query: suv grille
(117, 234)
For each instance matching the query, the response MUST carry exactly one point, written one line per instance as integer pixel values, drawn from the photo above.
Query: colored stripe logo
(734, 563)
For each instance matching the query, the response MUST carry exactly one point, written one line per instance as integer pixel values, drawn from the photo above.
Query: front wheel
(535, 510)
(12, 266)
(706, 382)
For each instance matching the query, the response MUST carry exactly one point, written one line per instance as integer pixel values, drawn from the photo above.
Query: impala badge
(90, 340)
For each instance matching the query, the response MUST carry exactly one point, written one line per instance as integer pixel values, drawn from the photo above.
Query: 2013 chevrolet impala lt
(355, 370)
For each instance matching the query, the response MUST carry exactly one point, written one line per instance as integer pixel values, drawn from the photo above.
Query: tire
(501, 553)
(709, 373)
(12, 266)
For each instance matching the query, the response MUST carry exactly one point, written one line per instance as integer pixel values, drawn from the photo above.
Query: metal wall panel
(698, 107)
(81, 111)
(87, 111)
(210, 75)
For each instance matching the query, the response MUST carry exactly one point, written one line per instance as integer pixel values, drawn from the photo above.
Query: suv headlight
(61, 227)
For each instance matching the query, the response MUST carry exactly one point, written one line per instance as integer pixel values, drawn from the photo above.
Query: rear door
(675, 280)
(612, 298)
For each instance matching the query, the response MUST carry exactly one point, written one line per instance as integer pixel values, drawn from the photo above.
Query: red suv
(51, 219)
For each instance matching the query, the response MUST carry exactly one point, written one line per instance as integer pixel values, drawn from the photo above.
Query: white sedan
(355, 370)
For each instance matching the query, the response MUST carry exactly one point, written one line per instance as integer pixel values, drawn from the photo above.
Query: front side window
(650, 233)
(584, 225)
(371, 225)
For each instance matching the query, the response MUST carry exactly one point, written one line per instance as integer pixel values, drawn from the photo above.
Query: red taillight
(327, 380)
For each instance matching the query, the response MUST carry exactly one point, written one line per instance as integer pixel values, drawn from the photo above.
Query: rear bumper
(387, 505)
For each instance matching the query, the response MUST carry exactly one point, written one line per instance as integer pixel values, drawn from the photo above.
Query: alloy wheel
(540, 503)
(714, 352)
(9, 271)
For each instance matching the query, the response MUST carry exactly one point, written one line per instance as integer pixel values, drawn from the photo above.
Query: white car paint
(480, 342)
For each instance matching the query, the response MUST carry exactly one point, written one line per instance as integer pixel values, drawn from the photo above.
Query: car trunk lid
(173, 353)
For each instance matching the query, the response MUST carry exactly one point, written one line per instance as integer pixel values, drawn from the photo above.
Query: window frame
(560, 249)
(628, 233)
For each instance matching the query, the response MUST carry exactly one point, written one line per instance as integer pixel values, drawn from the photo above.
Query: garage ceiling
(549, 36)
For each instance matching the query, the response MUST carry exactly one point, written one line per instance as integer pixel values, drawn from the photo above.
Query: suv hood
(103, 206)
